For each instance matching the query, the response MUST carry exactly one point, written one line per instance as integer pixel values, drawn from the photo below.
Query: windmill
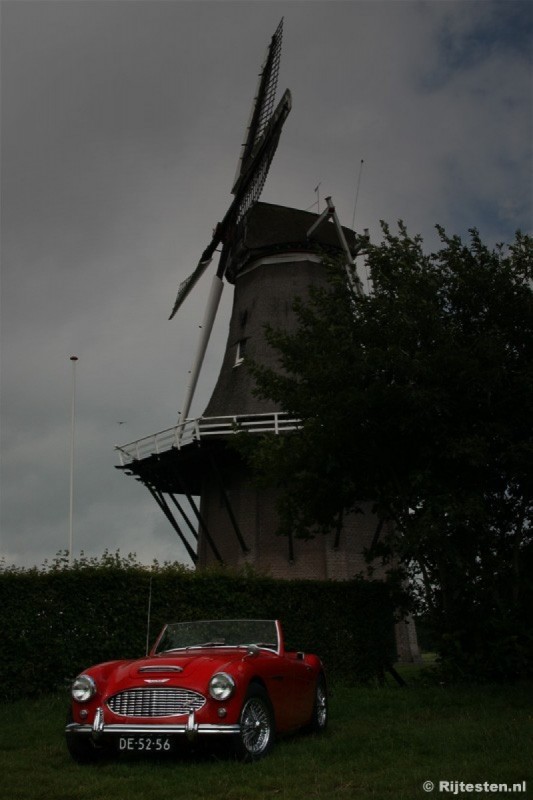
(270, 254)
(261, 140)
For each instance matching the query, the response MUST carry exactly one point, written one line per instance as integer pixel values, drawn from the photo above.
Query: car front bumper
(190, 728)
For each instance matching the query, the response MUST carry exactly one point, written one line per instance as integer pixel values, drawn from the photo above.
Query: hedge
(57, 622)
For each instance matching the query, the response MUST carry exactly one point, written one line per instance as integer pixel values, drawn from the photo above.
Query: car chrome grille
(155, 702)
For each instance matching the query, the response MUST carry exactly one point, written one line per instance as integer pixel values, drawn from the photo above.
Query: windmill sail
(263, 132)
(263, 103)
(251, 184)
(262, 137)
(189, 283)
(251, 181)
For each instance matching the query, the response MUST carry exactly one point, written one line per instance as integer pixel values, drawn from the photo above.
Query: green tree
(418, 396)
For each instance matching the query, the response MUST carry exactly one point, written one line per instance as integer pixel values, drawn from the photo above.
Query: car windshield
(219, 633)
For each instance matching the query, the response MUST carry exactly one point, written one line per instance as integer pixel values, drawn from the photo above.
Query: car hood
(192, 669)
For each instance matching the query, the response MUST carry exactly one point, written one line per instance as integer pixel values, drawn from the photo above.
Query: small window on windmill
(240, 352)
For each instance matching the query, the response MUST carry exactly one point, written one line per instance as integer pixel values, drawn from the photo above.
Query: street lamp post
(73, 360)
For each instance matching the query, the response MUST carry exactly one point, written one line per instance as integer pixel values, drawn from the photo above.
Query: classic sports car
(217, 678)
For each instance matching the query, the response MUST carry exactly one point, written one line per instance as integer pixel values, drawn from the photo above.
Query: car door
(303, 680)
(291, 685)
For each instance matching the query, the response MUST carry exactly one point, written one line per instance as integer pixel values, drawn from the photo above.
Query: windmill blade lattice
(263, 104)
(263, 154)
(251, 186)
(263, 133)
(189, 283)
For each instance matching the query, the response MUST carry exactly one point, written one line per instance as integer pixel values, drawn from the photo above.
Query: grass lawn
(382, 743)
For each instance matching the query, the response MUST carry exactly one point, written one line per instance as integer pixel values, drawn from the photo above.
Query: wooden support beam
(163, 505)
(245, 549)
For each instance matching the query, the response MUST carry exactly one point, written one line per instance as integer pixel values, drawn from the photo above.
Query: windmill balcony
(196, 430)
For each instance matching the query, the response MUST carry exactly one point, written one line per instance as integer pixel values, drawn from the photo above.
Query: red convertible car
(218, 678)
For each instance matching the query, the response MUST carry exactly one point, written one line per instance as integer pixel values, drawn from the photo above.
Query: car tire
(81, 747)
(257, 727)
(319, 717)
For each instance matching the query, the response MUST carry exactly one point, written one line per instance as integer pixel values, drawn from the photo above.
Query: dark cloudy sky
(121, 125)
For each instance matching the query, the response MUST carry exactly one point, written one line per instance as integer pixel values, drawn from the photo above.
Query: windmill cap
(269, 229)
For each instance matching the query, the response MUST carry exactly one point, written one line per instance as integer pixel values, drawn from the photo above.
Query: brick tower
(273, 263)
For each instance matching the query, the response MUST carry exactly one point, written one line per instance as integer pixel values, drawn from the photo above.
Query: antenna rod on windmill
(357, 192)
(317, 190)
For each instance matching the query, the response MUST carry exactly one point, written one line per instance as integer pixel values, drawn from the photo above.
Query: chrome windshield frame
(236, 640)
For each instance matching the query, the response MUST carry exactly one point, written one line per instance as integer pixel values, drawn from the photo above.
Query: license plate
(144, 744)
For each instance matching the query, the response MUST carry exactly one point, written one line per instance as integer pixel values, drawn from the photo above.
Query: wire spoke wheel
(257, 725)
(321, 706)
(319, 718)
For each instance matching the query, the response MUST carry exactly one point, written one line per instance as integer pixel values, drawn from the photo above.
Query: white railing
(193, 430)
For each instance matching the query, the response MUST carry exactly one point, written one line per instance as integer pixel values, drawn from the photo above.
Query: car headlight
(83, 688)
(221, 686)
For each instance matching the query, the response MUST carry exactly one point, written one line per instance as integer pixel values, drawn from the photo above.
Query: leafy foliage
(419, 397)
(58, 620)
